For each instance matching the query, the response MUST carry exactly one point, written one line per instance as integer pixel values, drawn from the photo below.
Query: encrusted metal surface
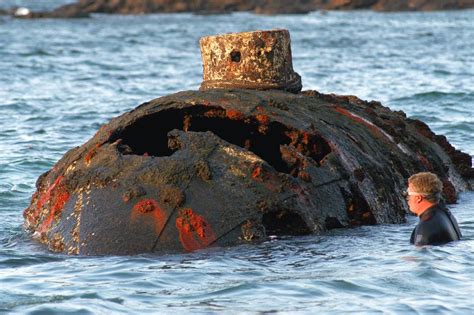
(258, 60)
(221, 167)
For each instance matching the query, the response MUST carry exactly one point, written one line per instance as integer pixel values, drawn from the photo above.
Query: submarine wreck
(247, 156)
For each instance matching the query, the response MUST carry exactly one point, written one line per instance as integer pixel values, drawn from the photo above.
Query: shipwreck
(247, 156)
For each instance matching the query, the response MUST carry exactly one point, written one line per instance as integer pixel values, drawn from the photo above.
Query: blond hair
(428, 184)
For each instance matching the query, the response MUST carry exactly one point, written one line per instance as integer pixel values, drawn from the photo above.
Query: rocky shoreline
(83, 8)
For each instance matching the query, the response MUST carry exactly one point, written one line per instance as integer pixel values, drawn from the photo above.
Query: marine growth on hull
(225, 166)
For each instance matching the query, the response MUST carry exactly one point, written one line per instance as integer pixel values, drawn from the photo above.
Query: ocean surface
(61, 79)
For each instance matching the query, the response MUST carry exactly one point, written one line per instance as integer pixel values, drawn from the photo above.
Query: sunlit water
(61, 79)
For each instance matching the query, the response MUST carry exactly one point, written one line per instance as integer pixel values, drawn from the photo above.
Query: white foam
(22, 11)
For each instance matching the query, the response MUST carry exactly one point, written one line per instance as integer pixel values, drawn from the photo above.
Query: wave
(432, 95)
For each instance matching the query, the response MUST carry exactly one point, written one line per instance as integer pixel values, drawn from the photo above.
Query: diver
(437, 225)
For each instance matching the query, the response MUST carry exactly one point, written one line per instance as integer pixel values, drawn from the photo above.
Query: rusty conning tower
(259, 60)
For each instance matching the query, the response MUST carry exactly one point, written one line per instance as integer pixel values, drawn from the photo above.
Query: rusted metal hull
(222, 167)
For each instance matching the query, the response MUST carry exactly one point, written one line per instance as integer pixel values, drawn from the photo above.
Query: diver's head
(424, 190)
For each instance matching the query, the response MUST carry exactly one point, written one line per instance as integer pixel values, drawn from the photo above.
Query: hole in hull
(235, 56)
(284, 222)
(149, 135)
(358, 210)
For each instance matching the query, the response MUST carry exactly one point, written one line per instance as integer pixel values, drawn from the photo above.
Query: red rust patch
(186, 123)
(145, 206)
(92, 153)
(260, 174)
(149, 209)
(234, 114)
(194, 231)
(305, 176)
(213, 113)
(57, 196)
(359, 120)
(257, 172)
(308, 144)
(269, 179)
(46, 196)
(263, 119)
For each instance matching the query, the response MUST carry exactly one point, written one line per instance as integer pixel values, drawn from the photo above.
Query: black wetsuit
(437, 226)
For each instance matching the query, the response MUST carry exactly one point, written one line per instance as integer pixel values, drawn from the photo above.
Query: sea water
(61, 79)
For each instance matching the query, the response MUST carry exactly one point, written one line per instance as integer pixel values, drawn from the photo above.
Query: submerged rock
(224, 166)
(83, 8)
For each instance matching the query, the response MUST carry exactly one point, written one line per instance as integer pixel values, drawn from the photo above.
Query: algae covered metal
(227, 165)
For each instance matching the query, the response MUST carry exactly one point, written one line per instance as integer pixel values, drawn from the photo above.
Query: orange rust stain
(44, 197)
(293, 135)
(145, 206)
(269, 180)
(347, 113)
(57, 196)
(101, 129)
(213, 113)
(263, 119)
(149, 208)
(305, 143)
(305, 176)
(260, 174)
(92, 153)
(306, 137)
(186, 123)
(256, 173)
(309, 143)
(194, 231)
(234, 114)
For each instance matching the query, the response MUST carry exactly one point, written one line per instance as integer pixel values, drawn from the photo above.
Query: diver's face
(413, 199)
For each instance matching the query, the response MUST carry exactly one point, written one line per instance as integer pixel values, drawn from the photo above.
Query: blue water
(61, 79)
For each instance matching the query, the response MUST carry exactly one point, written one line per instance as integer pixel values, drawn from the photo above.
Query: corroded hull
(221, 167)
